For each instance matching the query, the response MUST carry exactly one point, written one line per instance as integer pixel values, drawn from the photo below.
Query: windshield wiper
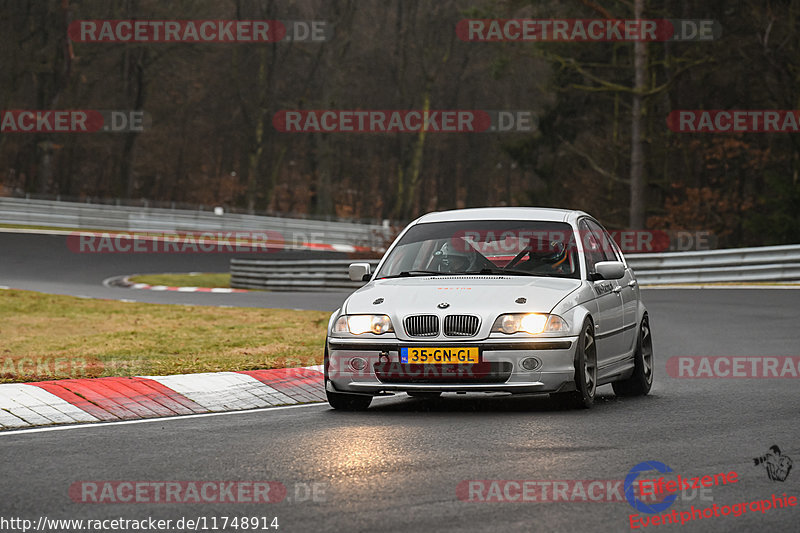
(485, 271)
(412, 273)
(538, 274)
(502, 271)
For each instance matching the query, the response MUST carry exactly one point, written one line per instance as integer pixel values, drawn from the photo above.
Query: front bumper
(500, 369)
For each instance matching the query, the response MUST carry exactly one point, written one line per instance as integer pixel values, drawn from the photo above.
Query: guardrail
(766, 263)
(769, 263)
(290, 275)
(146, 219)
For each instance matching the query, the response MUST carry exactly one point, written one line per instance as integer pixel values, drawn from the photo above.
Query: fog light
(358, 363)
(531, 363)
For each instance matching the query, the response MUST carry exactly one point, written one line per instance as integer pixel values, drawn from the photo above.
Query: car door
(630, 301)
(609, 319)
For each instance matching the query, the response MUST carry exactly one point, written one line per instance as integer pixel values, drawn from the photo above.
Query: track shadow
(481, 403)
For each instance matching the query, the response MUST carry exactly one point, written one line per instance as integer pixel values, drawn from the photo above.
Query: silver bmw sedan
(492, 300)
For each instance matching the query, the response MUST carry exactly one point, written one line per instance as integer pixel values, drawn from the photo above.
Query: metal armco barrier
(142, 219)
(769, 263)
(766, 263)
(277, 275)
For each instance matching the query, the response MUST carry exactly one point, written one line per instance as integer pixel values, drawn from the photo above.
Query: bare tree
(637, 207)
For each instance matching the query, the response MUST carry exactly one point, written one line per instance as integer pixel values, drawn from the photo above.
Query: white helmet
(451, 259)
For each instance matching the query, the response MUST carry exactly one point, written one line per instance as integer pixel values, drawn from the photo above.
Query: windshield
(509, 247)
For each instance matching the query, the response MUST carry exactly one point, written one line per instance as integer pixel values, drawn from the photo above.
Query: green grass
(54, 337)
(52, 228)
(196, 279)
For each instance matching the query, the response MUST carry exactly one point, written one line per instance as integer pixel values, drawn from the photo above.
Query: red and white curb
(125, 282)
(71, 401)
(338, 247)
(218, 290)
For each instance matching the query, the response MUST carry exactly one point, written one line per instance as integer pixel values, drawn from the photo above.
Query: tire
(585, 372)
(424, 395)
(348, 402)
(643, 364)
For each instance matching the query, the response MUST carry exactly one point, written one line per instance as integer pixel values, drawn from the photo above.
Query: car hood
(482, 295)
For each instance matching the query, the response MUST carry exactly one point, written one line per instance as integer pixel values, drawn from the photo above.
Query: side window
(591, 246)
(617, 251)
(606, 244)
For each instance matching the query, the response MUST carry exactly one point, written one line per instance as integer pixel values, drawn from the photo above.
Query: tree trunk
(637, 207)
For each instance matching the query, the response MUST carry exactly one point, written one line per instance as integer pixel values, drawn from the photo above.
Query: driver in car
(449, 259)
(550, 256)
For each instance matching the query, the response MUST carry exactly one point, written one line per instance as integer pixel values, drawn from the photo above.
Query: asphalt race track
(45, 263)
(397, 466)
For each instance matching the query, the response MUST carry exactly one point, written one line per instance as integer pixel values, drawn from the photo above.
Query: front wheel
(642, 378)
(348, 402)
(585, 371)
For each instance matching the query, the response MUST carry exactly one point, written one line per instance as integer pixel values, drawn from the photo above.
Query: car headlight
(358, 324)
(532, 323)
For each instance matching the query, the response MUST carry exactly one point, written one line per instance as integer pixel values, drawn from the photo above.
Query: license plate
(433, 355)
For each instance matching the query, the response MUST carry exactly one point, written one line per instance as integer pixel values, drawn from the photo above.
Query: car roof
(546, 214)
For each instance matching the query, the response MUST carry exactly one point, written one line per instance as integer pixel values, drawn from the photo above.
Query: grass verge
(33, 226)
(193, 279)
(55, 337)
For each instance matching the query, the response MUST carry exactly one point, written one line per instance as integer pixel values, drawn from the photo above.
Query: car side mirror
(610, 269)
(359, 271)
